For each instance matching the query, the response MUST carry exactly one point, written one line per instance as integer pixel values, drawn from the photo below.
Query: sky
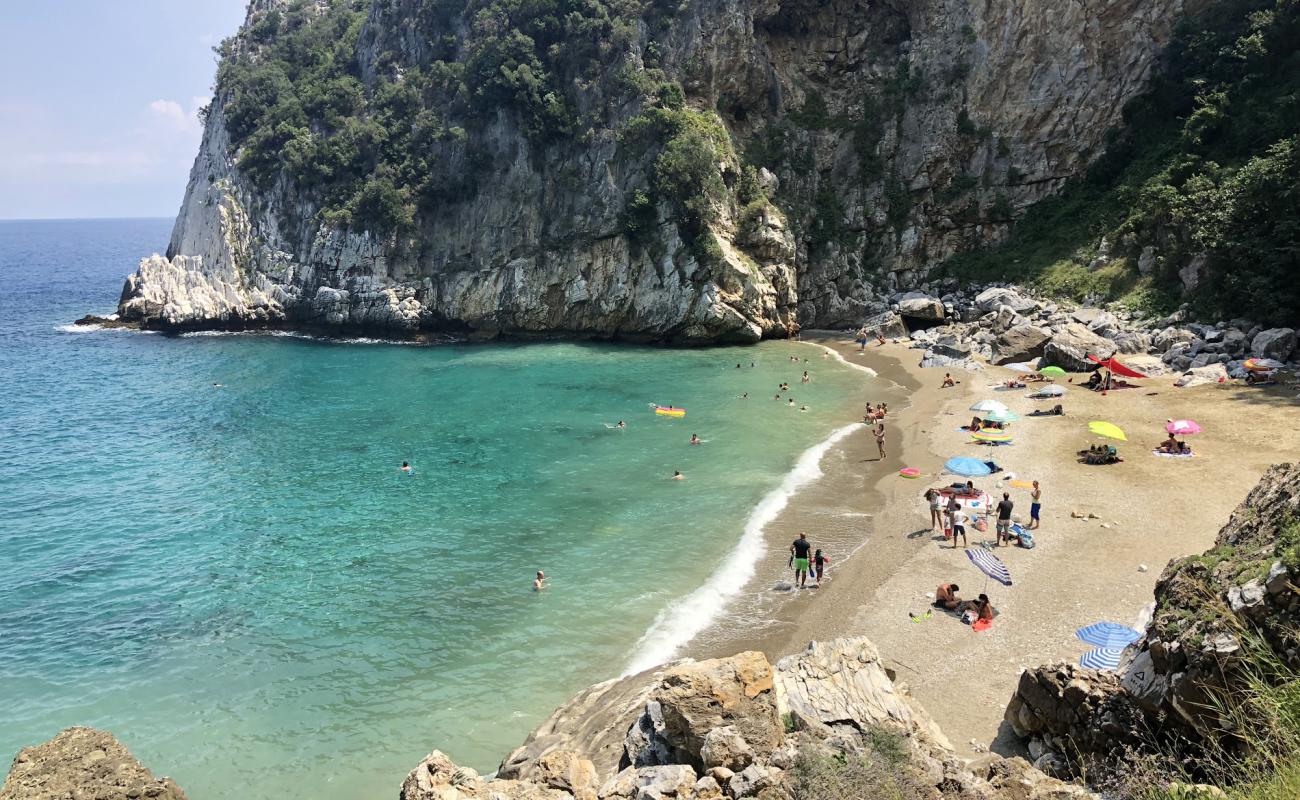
(99, 101)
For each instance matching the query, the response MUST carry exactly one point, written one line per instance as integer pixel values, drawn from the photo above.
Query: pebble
(1142, 567)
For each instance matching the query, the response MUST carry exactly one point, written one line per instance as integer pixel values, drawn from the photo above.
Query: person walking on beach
(1004, 519)
(1035, 505)
(799, 559)
(880, 437)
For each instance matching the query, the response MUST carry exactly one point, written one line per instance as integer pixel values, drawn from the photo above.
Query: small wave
(93, 328)
(682, 621)
(840, 358)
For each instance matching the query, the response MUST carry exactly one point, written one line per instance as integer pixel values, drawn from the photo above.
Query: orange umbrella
(1114, 366)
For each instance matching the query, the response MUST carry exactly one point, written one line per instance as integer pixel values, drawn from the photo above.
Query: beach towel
(982, 625)
(1163, 454)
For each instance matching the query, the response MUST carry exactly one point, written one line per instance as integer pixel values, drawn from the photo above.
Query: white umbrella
(1050, 390)
(1022, 366)
(990, 406)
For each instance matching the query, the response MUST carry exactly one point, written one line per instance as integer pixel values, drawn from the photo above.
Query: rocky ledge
(83, 764)
(740, 727)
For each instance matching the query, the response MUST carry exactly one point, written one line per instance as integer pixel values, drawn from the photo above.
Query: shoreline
(1081, 571)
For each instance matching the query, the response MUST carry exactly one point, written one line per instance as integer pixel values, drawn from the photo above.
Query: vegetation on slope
(1208, 162)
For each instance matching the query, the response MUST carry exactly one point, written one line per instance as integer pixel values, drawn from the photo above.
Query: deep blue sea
(239, 582)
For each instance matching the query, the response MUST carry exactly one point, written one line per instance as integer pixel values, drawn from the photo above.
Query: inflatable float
(670, 411)
(909, 472)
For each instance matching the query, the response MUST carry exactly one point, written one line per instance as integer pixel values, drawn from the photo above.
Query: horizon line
(85, 219)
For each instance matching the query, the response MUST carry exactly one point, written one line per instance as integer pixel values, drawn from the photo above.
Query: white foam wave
(682, 621)
(840, 358)
(92, 328)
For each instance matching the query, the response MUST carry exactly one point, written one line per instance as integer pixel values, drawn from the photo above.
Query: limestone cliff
(712, 170)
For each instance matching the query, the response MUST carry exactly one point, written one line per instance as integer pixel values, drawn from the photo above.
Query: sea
(207, 546)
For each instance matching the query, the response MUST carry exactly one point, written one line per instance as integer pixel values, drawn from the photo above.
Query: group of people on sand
(970, 611)
(948, 514)
(1174, 446)
(805, 561)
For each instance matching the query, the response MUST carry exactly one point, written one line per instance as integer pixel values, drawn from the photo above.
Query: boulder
(993, 298)
(752, 780)
(83, 763)
(725, 747)
(644, 783)
(1020, 343)
(888, 325)
(1170, 336)
(593, 725)
(1069, 348)
(1276, 343)
(437, 777)
(694, 698)
(921, 306)
(951, 346)
(1130, 341)
(1199, 376)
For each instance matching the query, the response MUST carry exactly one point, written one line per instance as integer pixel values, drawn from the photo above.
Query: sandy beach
(1147, 510)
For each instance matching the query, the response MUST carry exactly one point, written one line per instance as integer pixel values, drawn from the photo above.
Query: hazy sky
(98, 101)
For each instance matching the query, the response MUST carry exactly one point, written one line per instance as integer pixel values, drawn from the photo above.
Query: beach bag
(969, 616)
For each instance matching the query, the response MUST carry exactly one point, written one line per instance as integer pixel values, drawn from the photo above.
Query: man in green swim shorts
(799, 559)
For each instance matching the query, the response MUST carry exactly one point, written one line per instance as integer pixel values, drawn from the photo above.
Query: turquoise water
(240, 583)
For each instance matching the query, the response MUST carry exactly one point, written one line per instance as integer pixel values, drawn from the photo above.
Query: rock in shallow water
(83, 763)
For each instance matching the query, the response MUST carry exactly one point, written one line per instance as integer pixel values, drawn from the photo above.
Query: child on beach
(819, 565)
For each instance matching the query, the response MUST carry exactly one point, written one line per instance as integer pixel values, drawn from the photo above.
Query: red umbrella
(1116, 367)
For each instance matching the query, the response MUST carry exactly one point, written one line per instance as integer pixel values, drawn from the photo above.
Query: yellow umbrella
(1108, 429)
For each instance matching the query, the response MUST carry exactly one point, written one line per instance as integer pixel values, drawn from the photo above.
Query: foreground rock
(1195, 658)
(739, 727)
(83, 764)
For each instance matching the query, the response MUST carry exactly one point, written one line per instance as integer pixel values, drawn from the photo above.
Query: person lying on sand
(948, 382)
(1171, 445)
(1013, 383)
(946, 596)
(1054, 411)
(975, 425)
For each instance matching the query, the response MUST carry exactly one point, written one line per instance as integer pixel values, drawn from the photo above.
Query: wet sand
(1149, 510)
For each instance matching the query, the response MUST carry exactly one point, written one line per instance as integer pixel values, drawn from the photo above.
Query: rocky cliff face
(860, 144)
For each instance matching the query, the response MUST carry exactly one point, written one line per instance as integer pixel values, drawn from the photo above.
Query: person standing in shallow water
(799, 559)
(880, 437)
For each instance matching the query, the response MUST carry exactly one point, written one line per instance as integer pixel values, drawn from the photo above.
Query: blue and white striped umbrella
(990, 565)
(1102, 658)
(1108, 634)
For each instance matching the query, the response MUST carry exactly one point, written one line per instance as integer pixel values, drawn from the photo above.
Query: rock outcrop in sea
(852, 147)
(83, 763)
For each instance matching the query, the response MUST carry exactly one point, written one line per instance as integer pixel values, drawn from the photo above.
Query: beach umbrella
(1108, 429)
(967, 467)
(992, 436)
(1108, 634)
(988, 406)
(1117, 368)
(1102, 658)
(1054, 372)
(990, 565)
(1051, 390)
(1021, 367)
(1183, 427)
(1000, 415)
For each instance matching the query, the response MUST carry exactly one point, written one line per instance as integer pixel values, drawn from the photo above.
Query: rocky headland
(724, 172)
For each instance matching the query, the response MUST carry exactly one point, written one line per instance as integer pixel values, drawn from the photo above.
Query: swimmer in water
(620, 425)
(803, 408)
(791, 402)
(406, 467)
(737, 366)
(695, 439)
(216, 386)
(806, 379)
(745, 396)
(539, 583)
(677, 475)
